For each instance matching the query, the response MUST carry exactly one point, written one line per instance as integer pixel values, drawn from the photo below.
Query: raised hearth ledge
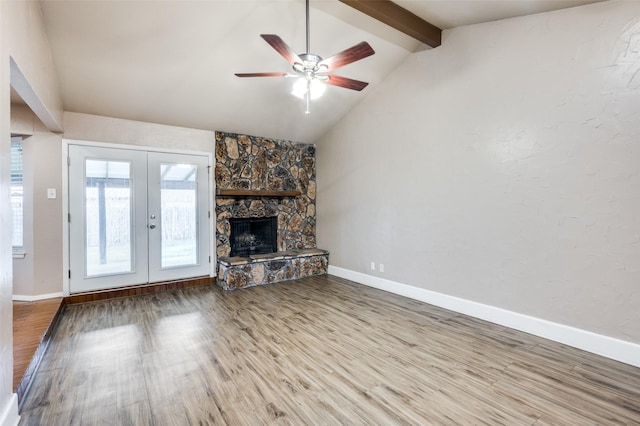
(242, 272)
(289, 254)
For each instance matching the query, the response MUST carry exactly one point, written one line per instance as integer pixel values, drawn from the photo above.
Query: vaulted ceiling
(173, 62)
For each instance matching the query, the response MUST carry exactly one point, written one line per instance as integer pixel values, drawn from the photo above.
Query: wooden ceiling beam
(399, 18)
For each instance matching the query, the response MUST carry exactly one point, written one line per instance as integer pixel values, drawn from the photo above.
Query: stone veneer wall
(250, 162)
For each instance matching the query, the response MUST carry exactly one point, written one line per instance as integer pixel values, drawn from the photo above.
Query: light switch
(51, 193)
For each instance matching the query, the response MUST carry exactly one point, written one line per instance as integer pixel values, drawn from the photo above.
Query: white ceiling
(173, 62)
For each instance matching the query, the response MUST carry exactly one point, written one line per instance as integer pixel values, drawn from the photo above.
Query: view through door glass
(178, 210)
(108, 208)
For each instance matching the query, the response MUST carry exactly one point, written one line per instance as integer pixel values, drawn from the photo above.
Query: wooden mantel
(255, 193)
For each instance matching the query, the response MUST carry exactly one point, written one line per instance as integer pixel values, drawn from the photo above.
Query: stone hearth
(263, 167)
(239, 272)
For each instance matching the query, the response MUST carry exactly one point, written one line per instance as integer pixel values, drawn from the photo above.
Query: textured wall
(98, 128)
(8, 404)
(502, 167)
(23, 40)
(40, 271)
(250, 162)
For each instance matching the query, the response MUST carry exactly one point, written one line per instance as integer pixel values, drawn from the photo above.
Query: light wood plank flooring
(321, 350)
(30, 321)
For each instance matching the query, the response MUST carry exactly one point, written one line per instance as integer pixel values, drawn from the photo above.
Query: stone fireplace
(260, 180)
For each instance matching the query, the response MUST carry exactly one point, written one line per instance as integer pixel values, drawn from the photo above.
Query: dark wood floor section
(138, 290)
(31, 320)
(316, 351)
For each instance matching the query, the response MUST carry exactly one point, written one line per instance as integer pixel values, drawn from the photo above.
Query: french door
(136, 217)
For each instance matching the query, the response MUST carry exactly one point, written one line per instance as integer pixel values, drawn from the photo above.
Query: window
(16, 192)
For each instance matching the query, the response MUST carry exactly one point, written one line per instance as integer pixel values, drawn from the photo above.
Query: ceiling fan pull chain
(308, 97)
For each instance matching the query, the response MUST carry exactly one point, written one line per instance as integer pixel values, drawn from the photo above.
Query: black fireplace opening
(253, 235)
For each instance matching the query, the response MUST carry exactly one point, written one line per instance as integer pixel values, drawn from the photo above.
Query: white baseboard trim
(9, 414)
(619, 350)
(20, 298)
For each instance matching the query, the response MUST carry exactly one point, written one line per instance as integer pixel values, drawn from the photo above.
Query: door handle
(152, 226)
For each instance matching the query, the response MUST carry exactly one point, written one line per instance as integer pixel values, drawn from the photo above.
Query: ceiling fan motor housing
(310, 66)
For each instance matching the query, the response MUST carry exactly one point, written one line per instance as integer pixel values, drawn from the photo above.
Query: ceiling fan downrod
(308, 48)
(308, 57)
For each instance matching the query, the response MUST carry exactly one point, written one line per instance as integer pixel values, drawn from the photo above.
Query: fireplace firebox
(253, 235)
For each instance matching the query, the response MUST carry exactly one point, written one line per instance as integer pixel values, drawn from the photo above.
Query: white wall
(39, 273)
(503, 168)
(96, 128)
(8, 401)
(25, 60)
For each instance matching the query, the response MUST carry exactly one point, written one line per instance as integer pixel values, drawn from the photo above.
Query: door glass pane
(178, 205)
(108, 210)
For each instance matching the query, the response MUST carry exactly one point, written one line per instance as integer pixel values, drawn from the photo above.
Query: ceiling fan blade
(261, 74)
(352, 54)
(282, 48)
(347, 83)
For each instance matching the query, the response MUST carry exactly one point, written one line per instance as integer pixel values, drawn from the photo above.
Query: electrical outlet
(381, 267)
(373, 266)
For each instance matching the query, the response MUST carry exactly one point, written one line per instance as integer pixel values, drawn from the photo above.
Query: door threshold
(148, 288)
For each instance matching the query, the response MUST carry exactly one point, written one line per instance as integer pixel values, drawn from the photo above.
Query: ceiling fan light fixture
(314, 87)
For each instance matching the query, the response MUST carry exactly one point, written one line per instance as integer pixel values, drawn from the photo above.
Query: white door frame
(65, 198)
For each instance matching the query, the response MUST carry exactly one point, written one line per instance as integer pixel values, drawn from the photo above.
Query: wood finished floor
(321, 350)
(30, 321)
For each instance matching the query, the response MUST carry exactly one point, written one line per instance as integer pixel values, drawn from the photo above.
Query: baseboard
(616, 349)
(20, 298)
(9, 414)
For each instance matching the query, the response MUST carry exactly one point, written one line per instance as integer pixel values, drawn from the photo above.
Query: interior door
(136, 217)
(178, 216)
(107, 223)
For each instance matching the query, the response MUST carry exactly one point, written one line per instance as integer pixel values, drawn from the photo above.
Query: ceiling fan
(313, 71)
